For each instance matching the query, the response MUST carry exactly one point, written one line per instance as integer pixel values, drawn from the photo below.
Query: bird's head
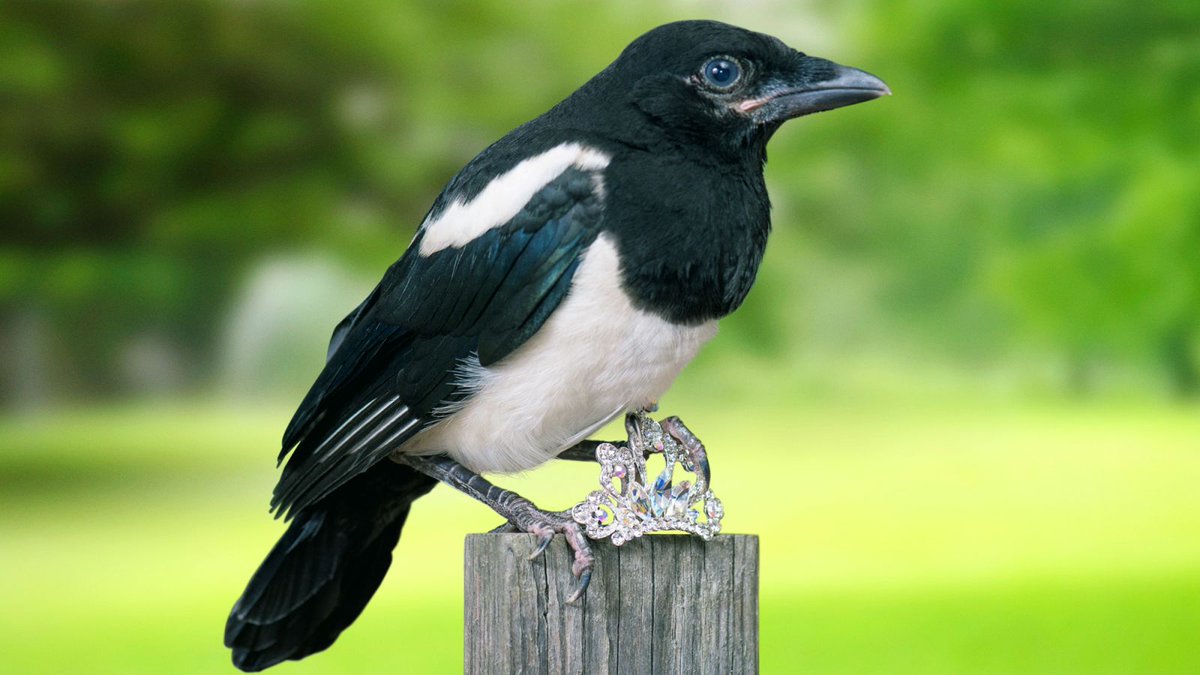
(723, 88)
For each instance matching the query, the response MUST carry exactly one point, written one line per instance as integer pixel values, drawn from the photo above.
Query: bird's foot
(522, 515)
(692, 445)
(546, 524)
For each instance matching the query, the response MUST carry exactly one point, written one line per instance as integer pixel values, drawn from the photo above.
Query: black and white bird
(563, 278)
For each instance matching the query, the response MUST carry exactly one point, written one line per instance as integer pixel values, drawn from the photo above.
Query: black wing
(392, 362)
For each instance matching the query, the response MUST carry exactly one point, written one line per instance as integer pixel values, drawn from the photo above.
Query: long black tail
(324, 569)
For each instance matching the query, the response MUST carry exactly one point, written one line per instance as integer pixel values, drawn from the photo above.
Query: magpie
(563, 278)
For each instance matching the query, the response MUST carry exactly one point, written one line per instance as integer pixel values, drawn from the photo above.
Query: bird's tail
(321, 573)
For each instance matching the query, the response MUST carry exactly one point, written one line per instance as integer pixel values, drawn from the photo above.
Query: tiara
(627, 506)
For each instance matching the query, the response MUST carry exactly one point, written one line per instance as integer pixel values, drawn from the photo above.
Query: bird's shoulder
(520, 210)
(517, 150)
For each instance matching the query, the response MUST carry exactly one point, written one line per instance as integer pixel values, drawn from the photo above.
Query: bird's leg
(517, 510)
(507, 526)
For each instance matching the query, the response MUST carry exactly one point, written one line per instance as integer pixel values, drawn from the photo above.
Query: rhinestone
(628, 505)
(663, 482)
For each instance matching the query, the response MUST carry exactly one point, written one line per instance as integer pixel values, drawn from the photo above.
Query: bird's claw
(545, 525)
(544, 538)
(520, 513)
(584, 580)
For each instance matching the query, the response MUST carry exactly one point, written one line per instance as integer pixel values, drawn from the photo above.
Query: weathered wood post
(659, 604)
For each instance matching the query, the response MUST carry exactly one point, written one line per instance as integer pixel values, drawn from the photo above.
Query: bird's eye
(722, 73)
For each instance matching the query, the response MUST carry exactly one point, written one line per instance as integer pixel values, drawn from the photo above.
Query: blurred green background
(960, 406)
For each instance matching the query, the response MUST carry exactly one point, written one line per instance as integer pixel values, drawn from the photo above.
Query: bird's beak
(819, 85)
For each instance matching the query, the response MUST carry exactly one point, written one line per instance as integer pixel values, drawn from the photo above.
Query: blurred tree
(1034, 176)
(1031, 183)
(151, 151)
(1102, 256)
(1130, 284)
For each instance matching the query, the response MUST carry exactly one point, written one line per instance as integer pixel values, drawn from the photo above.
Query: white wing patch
(461, 222)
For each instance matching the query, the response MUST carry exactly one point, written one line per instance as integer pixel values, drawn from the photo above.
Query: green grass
(1052, 626)
(895, 539)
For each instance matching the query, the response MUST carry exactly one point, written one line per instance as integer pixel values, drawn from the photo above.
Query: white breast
(595, 358)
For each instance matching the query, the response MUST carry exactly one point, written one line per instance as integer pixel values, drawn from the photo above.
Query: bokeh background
(960, 407)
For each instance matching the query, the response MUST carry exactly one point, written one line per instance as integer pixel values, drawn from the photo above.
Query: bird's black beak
(816, 86)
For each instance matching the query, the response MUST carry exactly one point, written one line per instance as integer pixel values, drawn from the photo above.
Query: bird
(564, 277)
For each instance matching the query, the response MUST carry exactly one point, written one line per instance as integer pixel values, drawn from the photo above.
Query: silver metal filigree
(628, 505)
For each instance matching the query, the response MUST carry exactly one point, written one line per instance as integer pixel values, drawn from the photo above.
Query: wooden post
(659, 604)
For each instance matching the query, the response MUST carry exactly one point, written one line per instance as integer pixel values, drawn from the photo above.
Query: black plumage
(320, 575)
(662, 155)
(427, 315)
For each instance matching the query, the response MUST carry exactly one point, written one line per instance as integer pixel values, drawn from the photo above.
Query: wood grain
(660, 604)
